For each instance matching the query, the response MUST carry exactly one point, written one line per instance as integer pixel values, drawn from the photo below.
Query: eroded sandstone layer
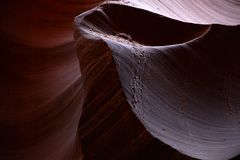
(40, 80)
(165, 70)
(180, 79)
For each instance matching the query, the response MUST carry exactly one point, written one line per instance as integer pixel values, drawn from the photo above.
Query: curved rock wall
(180, 79)
(167, 71)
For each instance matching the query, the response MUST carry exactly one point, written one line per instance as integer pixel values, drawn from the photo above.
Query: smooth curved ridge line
(184, 92)
(225, 12)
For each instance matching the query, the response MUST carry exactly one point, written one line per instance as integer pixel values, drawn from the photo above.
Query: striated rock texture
(136, 75)
(224, 12)
(180, 79)
(40, 83)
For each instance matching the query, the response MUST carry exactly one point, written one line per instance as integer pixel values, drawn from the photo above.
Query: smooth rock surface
(181, 79)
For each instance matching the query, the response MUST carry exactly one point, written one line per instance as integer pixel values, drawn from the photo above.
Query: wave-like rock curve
(133, 67)
(180, 79)
(224, 12)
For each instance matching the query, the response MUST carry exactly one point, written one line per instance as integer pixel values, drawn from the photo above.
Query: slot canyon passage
(120, 80)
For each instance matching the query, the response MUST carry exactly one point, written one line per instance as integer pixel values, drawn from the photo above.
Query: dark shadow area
(142, 26)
